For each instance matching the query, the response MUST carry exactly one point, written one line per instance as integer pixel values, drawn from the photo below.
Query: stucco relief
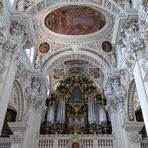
(131, 35)
(116, 94)
(23, 4)
(133, 101)
(35, 95)
(135, 138)
(115, 7)
(17, 101)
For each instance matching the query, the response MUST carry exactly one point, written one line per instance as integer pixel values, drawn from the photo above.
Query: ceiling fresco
(44, 47)
(77, 67)
(58, 73)
(107, 46)
(95, 72)
(76, 62)
(75, 20)
(76, 70)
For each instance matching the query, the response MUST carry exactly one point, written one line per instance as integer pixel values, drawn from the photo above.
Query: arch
(130, 100)
(94, 59)
(17, 95)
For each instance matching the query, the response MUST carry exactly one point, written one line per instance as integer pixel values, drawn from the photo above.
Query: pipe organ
(77, 106)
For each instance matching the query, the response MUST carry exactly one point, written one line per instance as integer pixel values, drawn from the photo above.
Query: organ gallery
(76, 106)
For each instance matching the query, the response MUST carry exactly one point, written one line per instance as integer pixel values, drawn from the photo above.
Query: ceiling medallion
(44, 47)
(106, 46)
(75, 20)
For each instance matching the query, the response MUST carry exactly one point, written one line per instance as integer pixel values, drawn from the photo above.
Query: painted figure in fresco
(75, 20)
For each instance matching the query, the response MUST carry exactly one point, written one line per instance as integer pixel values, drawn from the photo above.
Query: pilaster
(116, 106)
(35, 95)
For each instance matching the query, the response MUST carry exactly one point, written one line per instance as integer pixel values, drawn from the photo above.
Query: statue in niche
(116, 85)
(131, 27)
(23, 4)
(127, 4)
(20, 5)
(16, 28)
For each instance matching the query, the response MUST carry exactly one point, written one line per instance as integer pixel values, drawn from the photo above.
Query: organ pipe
(76, 106)
(51, 114)
(61, 111)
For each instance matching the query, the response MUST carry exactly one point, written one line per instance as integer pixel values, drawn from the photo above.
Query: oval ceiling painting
(75, 20)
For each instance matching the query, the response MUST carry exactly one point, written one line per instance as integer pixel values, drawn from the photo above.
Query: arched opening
(139, 118)
(134, 109)
(9, 117)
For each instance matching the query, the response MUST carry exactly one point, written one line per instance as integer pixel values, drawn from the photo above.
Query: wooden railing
(144, 143)
(84, 141)
(5, 142)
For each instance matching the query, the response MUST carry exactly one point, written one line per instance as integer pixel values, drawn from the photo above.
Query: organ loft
(76, 106)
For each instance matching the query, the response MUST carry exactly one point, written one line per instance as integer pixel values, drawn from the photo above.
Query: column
(117, 129)
(35, 97)
(116, 106)
(142, 92)
(18, 129)
(33, 129)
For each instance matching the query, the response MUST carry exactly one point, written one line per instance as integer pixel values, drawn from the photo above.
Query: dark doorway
(75, 145)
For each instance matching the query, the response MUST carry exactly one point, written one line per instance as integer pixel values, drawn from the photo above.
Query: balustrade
(84, 141)
(144, 143)
(5, 143)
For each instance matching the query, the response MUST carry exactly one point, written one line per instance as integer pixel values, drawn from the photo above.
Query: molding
(130, 100)
(109, 5)
(17, 95)
(92, 58)
(18, 126)
(133, 126)
(27, 21)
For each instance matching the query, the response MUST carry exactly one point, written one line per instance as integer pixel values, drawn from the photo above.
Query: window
(30, 54)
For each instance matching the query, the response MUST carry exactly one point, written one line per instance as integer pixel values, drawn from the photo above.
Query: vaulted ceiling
(75, 37)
